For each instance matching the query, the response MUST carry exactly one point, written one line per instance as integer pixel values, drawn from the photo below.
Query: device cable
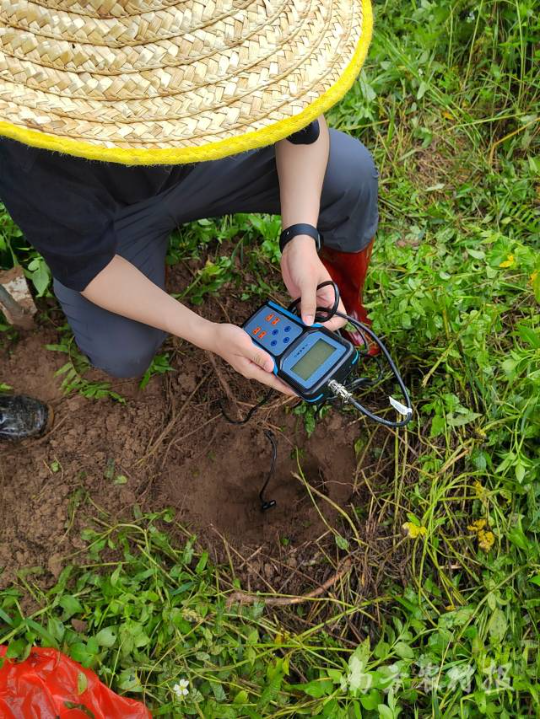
(266, 504)
(343, 392)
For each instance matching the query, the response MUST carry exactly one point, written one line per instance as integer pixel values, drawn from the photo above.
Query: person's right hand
(234, 345)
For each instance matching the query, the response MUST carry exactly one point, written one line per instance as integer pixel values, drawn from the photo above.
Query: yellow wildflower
(486, 538)
(448, 115)
(509, 262)
(414, 531)
(533, 277)
(477, 526)
(479, 491)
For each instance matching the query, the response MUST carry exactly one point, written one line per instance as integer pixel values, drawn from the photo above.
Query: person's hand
(302, 271)
(235, 346)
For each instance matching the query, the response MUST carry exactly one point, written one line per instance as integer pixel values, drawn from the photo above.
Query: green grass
(448, 103)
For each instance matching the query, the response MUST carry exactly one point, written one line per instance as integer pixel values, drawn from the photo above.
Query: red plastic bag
(49, 685)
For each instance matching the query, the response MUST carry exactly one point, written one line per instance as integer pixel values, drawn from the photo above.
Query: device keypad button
(273, 330)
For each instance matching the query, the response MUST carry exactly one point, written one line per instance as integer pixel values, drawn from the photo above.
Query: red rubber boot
(349, 270)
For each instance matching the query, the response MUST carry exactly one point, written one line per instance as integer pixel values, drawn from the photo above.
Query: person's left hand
(302, 271)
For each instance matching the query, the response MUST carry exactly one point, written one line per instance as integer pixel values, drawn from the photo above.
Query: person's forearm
(121, 288)
(301, 170)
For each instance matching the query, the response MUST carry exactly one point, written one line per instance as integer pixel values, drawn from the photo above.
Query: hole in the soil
(219, 493)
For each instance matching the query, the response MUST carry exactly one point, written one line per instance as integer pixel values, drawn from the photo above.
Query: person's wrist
(301, 243)
(300, 229)
(194, 329)
(208, 335)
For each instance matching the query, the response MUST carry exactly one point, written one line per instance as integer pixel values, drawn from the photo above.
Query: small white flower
(181, 689)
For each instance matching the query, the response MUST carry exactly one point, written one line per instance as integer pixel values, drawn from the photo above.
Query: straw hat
(173, 81)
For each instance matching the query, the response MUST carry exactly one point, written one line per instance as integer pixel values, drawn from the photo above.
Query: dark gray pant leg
(249, 183)
(120, 346)
(349, 203)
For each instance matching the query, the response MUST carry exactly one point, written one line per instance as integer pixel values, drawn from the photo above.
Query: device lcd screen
(313, 359)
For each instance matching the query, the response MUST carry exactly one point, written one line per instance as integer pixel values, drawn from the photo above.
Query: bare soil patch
(172, 444)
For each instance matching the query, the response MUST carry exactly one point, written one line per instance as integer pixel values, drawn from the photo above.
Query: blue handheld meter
(306, 358)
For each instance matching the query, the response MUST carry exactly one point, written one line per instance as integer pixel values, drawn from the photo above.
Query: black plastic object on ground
(22, 417)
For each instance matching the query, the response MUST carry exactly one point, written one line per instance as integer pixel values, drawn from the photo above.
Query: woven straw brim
(167, 82)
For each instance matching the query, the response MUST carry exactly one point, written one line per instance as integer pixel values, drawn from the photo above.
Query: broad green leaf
(82, 683)
(70, 605)
(201, 564)
(385, 712)
(79, 652)
(241, 697)
(497, 626)
(128, 681)
(341, 542)
(371, 700)
(517, 536)
(317, 688)
(403, 650)
(218, 691)
(529, 335)
(106, 638)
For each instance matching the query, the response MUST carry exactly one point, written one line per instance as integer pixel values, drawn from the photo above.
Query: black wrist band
(307, 136)
(301, 228)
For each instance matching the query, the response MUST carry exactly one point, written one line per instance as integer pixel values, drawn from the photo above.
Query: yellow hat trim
(215, 150)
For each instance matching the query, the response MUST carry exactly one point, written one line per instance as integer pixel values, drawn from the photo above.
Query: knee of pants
(359, 173)
(129, 355)
(361, 184)
(352, 182)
